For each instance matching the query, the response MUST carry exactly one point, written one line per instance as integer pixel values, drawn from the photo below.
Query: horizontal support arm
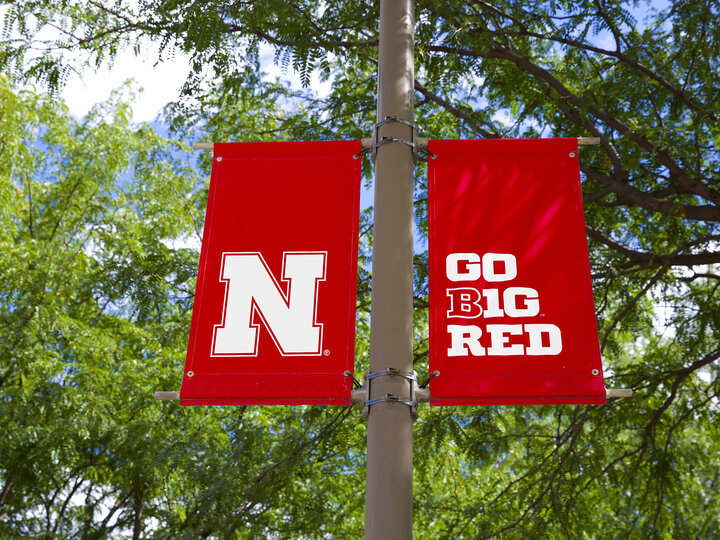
(618, 392)
(422, 142)
(167, 396)
(423, 394)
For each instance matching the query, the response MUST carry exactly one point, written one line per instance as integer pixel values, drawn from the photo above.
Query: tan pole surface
(388, 499)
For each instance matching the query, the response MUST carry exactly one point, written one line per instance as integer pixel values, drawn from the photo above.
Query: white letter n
(252, 289)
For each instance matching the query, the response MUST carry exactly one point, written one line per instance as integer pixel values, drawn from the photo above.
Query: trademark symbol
(326, 352)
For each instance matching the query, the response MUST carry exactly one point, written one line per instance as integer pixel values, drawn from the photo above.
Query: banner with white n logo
(274, 314)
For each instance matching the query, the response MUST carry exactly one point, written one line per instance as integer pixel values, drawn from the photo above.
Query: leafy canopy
(100, 220)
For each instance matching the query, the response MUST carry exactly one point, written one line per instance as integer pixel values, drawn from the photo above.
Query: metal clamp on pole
(411, 401)
(389, 397)
(378, 141)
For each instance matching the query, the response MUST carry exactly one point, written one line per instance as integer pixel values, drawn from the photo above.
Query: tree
(643, 80)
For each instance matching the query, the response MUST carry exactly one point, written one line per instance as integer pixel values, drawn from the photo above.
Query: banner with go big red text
(512, 319)
(274, 315)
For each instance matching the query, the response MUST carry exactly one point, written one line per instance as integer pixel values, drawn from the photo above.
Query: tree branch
(588, 47)
(653, 259)
(312, 44)
(501, 52)
(692, 184)
(646, 200)
(228, 524)
(455, 111)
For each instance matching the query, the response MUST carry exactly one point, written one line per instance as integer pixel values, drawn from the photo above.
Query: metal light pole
(388, 499)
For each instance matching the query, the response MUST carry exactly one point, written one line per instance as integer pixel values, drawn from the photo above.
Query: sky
(161, 82)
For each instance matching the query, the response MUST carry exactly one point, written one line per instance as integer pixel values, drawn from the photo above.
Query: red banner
(512, 318)
(274, 314)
